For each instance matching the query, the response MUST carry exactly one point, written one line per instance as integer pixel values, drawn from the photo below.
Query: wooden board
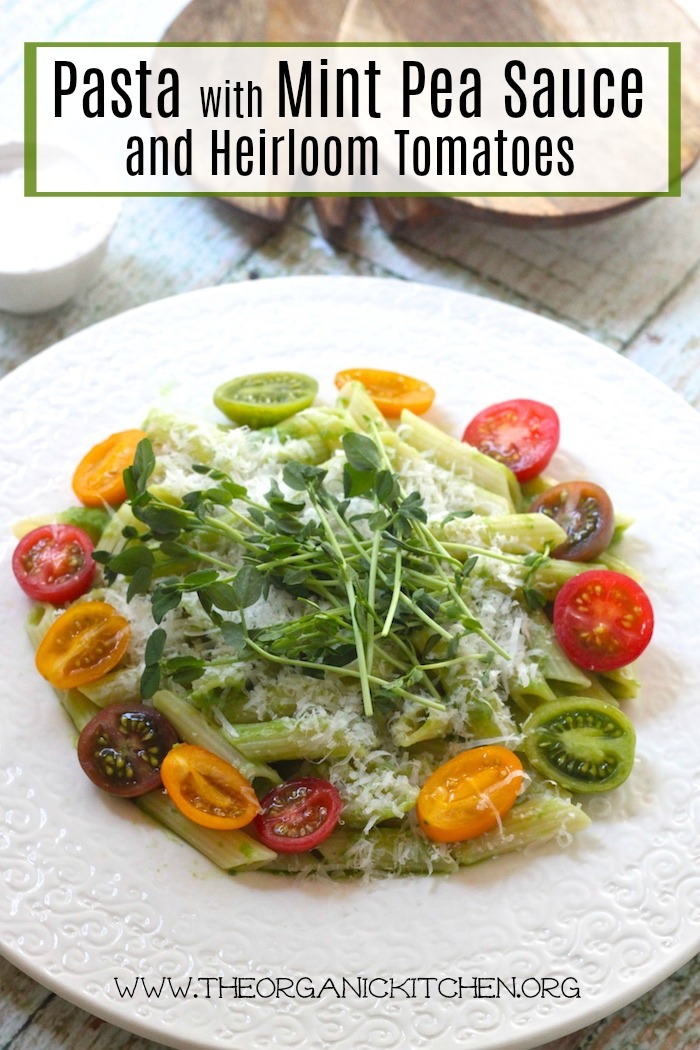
(274, 20)
(454, 20)
(546, 20)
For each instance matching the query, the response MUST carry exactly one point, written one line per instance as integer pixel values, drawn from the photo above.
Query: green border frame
(30, 118)
(30, 189)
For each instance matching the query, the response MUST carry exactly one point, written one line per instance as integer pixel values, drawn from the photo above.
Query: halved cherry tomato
(522, 434)
(82, 645)
(298, 815)
(602, 620)
(265, 399)
(98, 477)
(582, 744)
(469, 794)
(390, 391)
(586, 515)
(54, 563)
(207, 789)
(121, 749)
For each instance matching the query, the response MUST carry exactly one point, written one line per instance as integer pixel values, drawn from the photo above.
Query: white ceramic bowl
(50, 247)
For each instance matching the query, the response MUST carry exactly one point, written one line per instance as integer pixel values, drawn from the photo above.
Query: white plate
(93, 892)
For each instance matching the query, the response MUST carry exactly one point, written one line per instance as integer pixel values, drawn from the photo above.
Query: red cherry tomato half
(121, 749)
(586, 515)
(298, 815)
(603, 620)
(520, 433)
(54, 563)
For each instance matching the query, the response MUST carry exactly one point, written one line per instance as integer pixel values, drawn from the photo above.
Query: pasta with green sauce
(338, 598)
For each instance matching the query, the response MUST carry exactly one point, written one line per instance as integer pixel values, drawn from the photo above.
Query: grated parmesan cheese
(378, 779)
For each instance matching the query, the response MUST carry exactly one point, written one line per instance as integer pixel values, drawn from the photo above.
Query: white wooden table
(632, 282)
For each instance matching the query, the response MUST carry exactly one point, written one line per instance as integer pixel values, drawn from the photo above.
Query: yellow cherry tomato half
(207, 789)
(391, 392)
(469, 794)
(86, 642)
(98, 478)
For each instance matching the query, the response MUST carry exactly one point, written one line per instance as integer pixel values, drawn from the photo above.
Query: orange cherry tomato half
(390, 391)
(86, 642)
(98, 477)
(469, 794)
(207, 789)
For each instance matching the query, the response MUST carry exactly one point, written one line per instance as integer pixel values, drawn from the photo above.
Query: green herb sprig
(383, 598)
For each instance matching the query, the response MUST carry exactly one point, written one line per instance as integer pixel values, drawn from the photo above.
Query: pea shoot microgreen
(383, 598)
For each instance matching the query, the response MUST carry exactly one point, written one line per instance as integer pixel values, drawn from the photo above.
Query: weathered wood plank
(546, 20)
(20, 998)
(668, 1018)
(58, 1025)
(606, 279)
(669, 344)
(365, 238)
